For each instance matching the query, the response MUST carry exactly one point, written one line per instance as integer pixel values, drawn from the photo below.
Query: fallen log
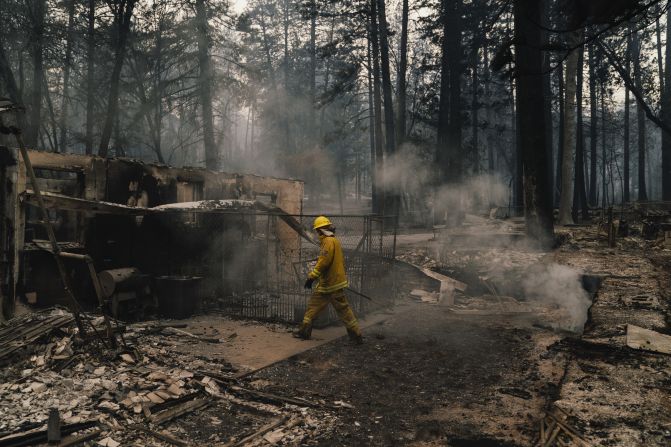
(54, 427)
(179, 410)
(275, 398)
(175, 331)
(37, 437)
(74, 440)
(575, 436)
(158, 435)
(260, 432)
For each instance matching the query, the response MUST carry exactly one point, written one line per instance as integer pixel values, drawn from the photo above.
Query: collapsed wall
(116, 240)
(176, 240)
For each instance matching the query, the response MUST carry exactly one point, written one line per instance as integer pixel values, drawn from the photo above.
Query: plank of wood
(40, 436)
(162, 436)
(274, 398)
(458, 285)
(74, 440)
(647, 340)
(179, 410)
(260, 432)
(54, 427)
(175, 331)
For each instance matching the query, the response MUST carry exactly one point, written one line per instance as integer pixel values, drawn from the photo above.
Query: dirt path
(427, 375)
(433, 376)
(248, 345)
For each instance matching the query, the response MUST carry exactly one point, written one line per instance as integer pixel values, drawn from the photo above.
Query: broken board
(647, 340)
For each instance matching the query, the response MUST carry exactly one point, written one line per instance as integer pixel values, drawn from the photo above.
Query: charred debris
(101, 245)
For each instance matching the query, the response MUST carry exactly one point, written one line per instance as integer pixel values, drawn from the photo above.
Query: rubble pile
(142, 391)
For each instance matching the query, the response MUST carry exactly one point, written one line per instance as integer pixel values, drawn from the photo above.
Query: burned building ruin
(173, 240)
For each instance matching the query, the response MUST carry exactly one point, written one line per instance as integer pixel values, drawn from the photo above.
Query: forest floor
(483, 368)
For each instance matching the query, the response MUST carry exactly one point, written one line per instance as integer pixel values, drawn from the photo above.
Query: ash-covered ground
(504, 362)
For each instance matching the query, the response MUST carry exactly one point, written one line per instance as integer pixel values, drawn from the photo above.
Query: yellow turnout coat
(330, 268)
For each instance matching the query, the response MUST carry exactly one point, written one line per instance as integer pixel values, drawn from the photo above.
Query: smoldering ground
(491, 255)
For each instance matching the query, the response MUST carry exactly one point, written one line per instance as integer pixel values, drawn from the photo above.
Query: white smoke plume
(559, 285)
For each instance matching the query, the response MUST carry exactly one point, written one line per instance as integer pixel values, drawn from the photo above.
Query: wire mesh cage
(263, 263)
(245, 262)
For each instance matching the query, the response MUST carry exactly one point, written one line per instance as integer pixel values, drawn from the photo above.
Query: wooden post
(74, 304)
(611, 233)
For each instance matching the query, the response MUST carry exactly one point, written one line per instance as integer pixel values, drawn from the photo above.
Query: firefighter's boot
(304, 331)
(355, 337)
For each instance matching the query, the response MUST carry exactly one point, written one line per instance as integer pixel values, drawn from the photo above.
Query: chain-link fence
(255, 265)
(246, 263)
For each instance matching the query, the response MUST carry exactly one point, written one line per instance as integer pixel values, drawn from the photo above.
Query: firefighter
(330, 271)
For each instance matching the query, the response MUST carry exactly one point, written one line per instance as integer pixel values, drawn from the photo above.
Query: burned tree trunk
(531, 121)
(449, 154)
(8, 79)
(391, 197)
(401, 78)
(474, 113)
(560, 145)
(371, 126)
(569, 133)
(90, 79)
(666, 115)
(313, 67)
(626, 149)
(66, 78)
(123, 12)
(37, 11)
(640, 118)
(579, 195)
(592, 127)
(378, 199)
(205, 86)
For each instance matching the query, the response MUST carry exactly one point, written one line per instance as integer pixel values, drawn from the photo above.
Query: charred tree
(640, 118)
(37, 10)
(123, 13)
(474, 112)
(401, 89)
(379, 199)
(392, 198)
(560, 145)
(8, 79)
(449, 157)
(90, 73)
(627, 126)
(531, 120)
(449, 154)
(313, 66)
(666, 115)
(569, 129)
(63, 140)
(579, 195)
(660, 60)
(604, 190)
(547, 95)
(205, 85)
(592, 126)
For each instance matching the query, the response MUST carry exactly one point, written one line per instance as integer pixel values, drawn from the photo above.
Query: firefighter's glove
(308, 283)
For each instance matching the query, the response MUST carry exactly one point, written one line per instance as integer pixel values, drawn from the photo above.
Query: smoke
(412, 174)
(560, 286)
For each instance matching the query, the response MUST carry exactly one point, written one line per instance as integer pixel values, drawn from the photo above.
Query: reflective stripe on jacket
(330, 268)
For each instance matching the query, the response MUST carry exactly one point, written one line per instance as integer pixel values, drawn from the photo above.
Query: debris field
(461, 360)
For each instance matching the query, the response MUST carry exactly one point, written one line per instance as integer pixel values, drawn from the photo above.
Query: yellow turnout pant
(319, 301)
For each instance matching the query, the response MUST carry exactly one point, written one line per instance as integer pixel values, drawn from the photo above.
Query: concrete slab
(250, 345)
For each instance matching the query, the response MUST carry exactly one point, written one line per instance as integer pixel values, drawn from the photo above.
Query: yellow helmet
(321, 222)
